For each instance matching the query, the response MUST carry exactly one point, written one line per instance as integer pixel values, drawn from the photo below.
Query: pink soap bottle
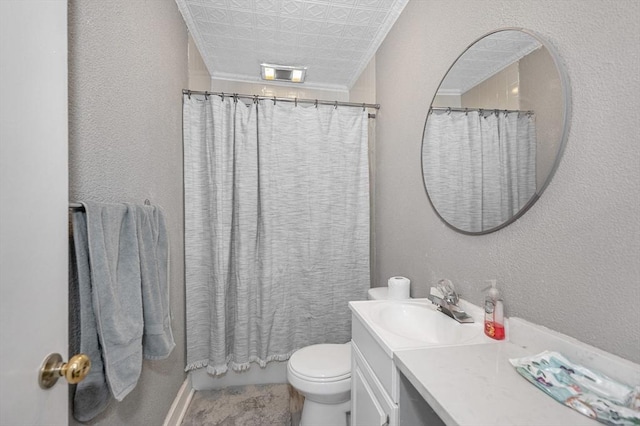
(493, 313)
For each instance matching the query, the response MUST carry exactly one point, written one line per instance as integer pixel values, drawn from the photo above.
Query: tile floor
(252, 405)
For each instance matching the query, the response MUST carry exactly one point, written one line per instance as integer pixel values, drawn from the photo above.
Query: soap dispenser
(493, 313)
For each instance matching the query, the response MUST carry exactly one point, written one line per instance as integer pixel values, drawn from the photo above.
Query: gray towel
(121, 253)
(157, 341)
(91, 396)
(116, 289)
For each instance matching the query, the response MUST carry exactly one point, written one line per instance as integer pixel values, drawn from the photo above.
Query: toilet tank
(378, 293)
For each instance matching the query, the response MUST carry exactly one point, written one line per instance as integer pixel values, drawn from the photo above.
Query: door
(33, 207)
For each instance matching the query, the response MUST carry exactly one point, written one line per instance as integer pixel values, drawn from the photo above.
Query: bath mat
(251, 405)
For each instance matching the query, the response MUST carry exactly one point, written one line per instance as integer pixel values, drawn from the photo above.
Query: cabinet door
(366, 411)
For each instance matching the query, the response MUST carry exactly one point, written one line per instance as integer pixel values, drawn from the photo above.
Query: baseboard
(180, 404)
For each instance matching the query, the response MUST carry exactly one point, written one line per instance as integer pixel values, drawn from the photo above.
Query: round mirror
(495, 131)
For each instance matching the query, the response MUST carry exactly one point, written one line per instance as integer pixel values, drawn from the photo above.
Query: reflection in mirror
(494, 132)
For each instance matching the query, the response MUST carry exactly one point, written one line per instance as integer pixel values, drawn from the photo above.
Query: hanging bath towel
(91, 396)
(157, 341)
(116, 289)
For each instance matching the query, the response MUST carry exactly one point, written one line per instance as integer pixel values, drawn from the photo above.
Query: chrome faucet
(444, 295)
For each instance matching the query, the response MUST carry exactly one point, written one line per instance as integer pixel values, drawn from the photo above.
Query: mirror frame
(565, 93)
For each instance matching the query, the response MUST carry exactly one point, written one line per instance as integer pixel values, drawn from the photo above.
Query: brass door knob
(53, 368)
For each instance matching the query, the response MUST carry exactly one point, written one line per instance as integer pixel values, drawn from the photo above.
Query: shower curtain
(480, 168)
(276, 228)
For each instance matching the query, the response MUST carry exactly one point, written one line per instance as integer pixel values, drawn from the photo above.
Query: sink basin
(423, 323)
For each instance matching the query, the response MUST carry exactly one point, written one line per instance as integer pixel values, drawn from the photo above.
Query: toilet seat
(322, 363)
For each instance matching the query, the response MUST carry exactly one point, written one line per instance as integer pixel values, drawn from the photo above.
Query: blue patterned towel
(592, 394)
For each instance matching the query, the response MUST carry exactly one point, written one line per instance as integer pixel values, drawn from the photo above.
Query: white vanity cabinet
(374, 381)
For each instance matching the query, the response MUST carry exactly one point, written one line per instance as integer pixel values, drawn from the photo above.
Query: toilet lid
(322, 362)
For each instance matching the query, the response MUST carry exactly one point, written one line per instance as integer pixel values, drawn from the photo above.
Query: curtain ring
(235, 98)
(295, 102)
(466, 111)
(335, 105)
(189, 94)
(222, 96)
(274, 100)
(255, 99)
(206, 96)
(147, 202)
(449, 111)
(316, 103)
(363, 109)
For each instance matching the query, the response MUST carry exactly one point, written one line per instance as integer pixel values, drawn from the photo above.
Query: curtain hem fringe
(216, 370)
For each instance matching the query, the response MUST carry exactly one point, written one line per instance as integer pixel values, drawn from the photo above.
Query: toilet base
(318, 414)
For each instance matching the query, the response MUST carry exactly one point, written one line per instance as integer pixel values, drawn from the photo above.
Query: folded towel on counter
(157, 340)
(91, 396)
(590, 393)
(114, 260)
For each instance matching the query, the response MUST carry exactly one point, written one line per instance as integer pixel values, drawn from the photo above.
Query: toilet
(322, 374)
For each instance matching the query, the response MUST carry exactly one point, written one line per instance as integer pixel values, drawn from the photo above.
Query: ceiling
(485, 58)
(335, 39)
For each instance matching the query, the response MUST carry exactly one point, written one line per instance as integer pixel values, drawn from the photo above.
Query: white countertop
(476, 385)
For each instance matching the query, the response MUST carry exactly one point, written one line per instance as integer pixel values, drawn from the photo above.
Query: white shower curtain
(480, 169)
(276, 228)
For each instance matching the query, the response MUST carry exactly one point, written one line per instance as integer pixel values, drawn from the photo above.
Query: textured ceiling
(485, 58)
(335, 39)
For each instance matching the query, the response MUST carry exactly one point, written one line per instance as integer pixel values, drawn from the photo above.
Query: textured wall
(538, 78)
(199, 77)
(127, 67)
(572, 263)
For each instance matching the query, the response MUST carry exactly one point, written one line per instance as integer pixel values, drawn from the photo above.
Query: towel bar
(78, 206)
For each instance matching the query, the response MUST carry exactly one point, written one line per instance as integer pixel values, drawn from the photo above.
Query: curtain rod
(279, 99)
(448, 109)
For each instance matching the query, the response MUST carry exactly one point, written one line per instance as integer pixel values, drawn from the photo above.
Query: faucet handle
(448, 291)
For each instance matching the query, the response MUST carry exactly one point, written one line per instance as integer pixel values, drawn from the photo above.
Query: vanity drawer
(381, 364)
